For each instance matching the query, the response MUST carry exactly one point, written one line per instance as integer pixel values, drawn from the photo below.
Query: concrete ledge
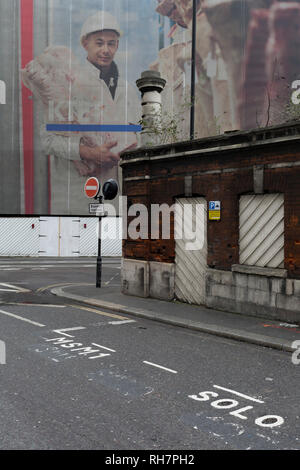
(268, 272)
(148, 279)
(135, 277)
(254, 291)
(161, 280)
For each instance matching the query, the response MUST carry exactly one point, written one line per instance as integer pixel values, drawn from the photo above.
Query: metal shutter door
(262, 230)
(190, 265)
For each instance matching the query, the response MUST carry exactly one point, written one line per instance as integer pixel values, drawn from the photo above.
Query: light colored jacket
(67, 186)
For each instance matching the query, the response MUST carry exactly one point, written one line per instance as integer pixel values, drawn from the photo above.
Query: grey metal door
(190, 257)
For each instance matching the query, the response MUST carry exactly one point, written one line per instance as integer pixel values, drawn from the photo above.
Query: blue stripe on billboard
(93, 128)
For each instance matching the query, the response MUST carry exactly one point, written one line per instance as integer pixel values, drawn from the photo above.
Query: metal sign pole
(193, 71)
(99, 258)
(92, 189)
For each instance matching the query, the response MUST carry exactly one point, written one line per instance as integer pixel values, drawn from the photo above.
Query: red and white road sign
(92, 187)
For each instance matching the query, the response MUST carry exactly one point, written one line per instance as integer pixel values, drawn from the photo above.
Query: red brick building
(250, 261)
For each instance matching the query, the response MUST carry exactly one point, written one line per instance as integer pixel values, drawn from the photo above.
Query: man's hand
(83, 169)
(100, 154)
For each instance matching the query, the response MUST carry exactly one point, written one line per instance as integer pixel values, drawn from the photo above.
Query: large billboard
(68, 100)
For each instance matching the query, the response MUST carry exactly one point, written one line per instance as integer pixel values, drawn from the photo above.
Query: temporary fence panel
(69, 236)
(111, 242)
(261, 239)
(88, 241)
(190, 257)
(59, 236)
(19, 236)
(111, 233)
(49, 236)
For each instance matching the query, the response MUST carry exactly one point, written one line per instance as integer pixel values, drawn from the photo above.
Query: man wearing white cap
(119, 104)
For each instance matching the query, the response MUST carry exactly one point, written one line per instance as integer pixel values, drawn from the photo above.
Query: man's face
(101, 47)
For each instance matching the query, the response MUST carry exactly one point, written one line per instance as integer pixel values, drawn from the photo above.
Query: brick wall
(221, 169)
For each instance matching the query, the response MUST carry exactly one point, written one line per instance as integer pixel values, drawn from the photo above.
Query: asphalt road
(78, 377)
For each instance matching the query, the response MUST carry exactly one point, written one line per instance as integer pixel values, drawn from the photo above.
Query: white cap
(98, 22)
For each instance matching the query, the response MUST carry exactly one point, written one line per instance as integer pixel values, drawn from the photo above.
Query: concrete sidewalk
(261, 331)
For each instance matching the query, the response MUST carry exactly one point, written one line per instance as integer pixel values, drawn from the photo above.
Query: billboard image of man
(94, 93)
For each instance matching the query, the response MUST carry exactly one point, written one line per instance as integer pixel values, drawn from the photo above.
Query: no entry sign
(92, 187)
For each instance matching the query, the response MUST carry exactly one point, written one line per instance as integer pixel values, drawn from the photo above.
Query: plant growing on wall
(168, 128)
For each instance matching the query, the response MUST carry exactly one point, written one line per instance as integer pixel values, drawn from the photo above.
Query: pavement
(261, 331)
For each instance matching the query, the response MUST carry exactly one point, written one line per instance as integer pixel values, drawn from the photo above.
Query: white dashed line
(239, 394)
(121, 322)
(62, 331)
(103, 347)
(160, 367)
(21, 318)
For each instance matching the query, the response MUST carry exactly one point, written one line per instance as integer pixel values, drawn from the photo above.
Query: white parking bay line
(28, 304)
(160, 367)
(234, 392)
(121, 322)
(11, 269)
(21, 318)
(63, 331)
(13, 288)
(103, 347)
(8, 290)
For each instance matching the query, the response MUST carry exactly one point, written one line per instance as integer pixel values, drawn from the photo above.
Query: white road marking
(121, 322)
(62, 331)
(9, 266)
(239, 394)
(63, 284)
(160, 367)
(277, 421)
(13, 288)
(8, 290)
(21, 318)
(103, 347)
(107, 282)
(42, 263)
(35, 305)
(11, 269)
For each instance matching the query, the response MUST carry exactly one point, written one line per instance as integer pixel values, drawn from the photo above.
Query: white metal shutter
(88, 242)
(49, 236)
(190, 265)
(261, 240)
(19, 236)
(69, 236)
(111, 230)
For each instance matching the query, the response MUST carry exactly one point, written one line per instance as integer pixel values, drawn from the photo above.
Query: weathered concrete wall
(135, 277)
(161, 280)
(148, 279)
(256, 291)
(260, 292)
